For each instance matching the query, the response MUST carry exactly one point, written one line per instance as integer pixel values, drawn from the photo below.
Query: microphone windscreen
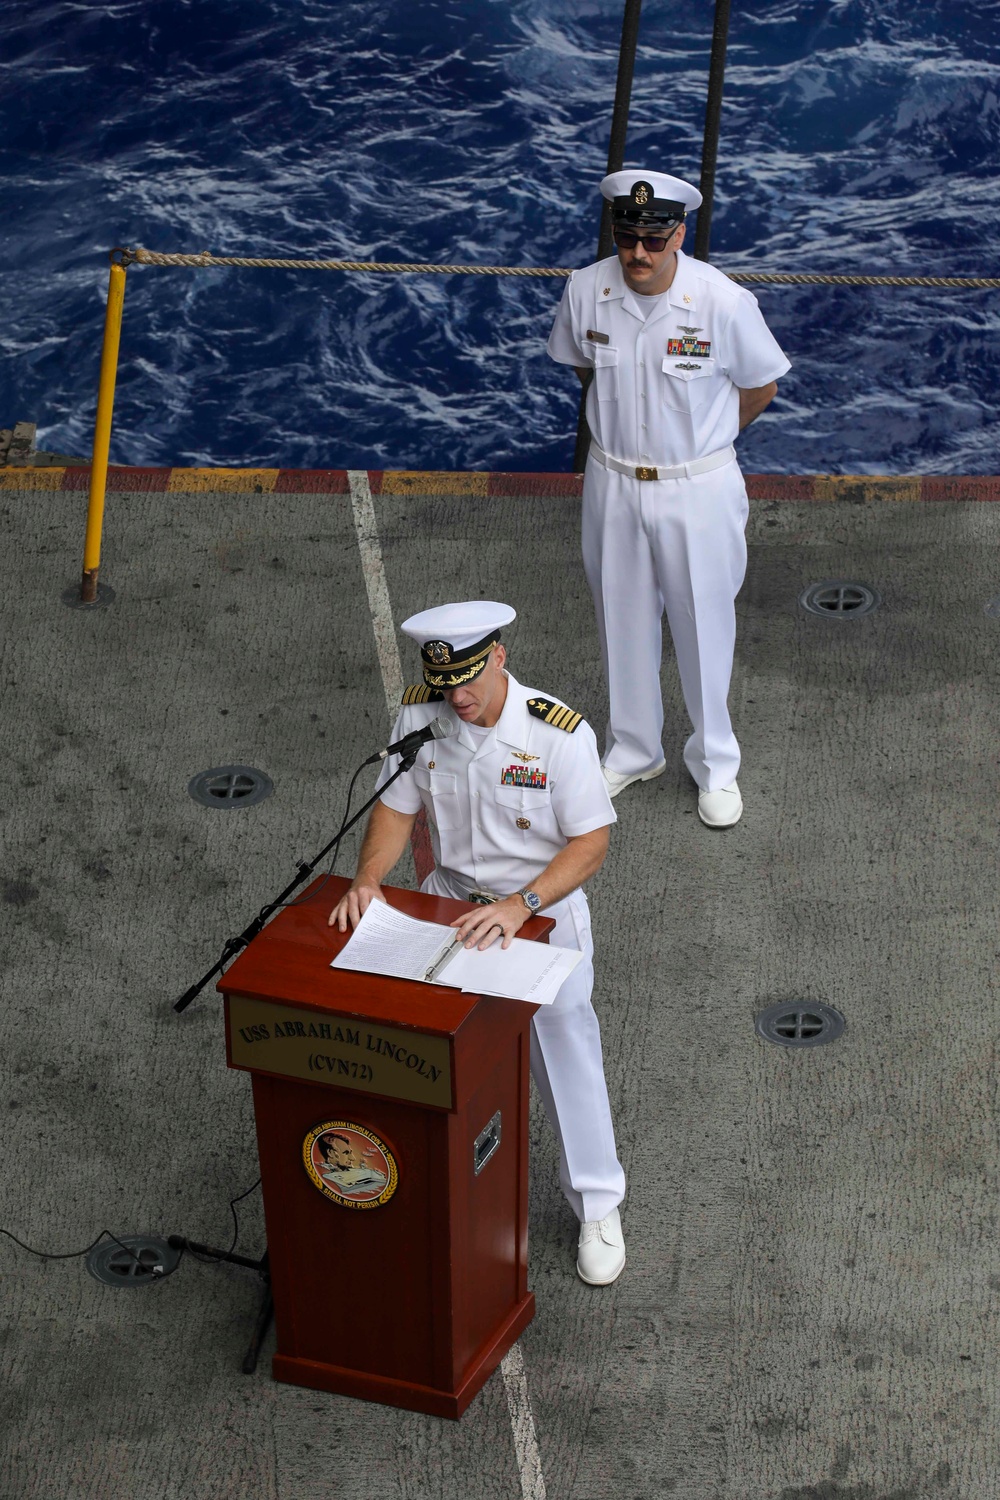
(442, 729)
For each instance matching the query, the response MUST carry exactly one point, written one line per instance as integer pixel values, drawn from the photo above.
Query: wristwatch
(531, 899)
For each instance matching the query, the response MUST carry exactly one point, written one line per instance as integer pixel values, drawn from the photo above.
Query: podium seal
(350, 1164)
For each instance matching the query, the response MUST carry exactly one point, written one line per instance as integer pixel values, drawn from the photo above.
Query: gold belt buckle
(484, 898)
(646, 474)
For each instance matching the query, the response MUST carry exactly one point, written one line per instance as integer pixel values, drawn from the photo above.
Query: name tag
(598, 338)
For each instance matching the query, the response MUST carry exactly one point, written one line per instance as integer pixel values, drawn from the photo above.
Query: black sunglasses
(652, 242)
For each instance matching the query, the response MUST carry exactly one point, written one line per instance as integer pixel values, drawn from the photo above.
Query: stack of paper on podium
(387, 941)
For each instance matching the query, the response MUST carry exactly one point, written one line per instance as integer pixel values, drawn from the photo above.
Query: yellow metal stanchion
(102, 431)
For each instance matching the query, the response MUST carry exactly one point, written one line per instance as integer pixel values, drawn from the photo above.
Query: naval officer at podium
(519, 818)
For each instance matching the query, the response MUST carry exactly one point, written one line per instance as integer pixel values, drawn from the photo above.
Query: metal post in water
(616, 159)
(713, 115)
(102, 432)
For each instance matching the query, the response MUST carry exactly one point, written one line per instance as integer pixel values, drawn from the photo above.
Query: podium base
(436, 1403)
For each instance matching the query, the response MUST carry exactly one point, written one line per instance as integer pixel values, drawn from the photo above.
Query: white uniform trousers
(677, 544)
(567, 1064)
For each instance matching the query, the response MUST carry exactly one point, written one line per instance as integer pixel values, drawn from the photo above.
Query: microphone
(437, 729)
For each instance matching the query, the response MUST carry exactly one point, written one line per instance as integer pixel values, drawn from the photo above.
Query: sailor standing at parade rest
(682, 360)
(519, 818)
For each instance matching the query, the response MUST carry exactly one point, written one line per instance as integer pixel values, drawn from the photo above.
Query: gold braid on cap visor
(455, 676)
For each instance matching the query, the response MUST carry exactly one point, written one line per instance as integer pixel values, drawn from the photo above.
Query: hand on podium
(354, 903)
(484, 924)
(386, 836)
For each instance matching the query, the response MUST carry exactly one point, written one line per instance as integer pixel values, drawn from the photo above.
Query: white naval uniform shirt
(666, 382)
(489, 832)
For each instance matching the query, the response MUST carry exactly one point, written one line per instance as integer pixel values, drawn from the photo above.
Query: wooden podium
(392, 1127)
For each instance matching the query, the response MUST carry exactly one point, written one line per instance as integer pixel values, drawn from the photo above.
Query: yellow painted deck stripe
(403, 482)
(228, 481)
(31, 479)
(866, 487)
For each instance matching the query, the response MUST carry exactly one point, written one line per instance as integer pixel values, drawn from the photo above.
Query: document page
(387, 941)
(524, 971)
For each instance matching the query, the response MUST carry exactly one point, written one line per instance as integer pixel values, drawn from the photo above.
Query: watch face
(533, 900)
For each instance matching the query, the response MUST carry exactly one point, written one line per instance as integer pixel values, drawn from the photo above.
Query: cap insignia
(439, 652)
(641, 194)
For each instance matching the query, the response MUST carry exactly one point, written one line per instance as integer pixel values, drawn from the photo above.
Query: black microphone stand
(266, 1313)
(233, 946)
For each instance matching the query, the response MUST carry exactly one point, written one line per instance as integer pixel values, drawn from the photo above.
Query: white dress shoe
(722, 808)
(616, 782)
(600, 1253)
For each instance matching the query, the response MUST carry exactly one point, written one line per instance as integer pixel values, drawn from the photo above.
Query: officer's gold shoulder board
(419, 692)
(555, 714)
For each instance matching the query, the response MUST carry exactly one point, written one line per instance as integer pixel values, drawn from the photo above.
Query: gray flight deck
(811, 1304)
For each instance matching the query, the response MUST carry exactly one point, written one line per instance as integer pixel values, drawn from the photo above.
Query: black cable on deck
(713, 115)
(616, 159)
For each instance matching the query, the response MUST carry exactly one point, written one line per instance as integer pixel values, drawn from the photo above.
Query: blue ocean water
(857, 136)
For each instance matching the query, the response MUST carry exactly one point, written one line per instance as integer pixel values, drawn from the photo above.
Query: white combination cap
(638, 197)
(455, 640)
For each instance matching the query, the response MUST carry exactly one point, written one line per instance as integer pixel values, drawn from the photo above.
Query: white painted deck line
(512, 1366)
(529, 1463)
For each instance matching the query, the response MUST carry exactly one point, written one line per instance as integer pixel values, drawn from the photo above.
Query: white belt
(679, 471)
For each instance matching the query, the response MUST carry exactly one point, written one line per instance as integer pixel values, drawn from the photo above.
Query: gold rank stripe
(555, 714)
(418, 692)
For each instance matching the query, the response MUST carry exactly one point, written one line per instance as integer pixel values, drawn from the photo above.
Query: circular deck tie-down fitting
(799, 1023)
(72, 600)
(230, 786)
(132, 1260)
(840, 599)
